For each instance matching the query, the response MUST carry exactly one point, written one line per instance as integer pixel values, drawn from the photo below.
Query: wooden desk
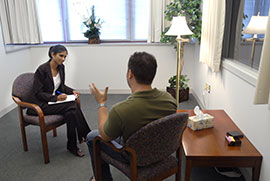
(208, 147)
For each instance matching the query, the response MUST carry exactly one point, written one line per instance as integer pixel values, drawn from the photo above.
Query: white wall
(11, 65)
(106, 64)
(235, 96)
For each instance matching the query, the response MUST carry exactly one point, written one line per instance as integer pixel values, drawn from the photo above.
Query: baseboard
(7, 109)
(111, 91)
(198, 100)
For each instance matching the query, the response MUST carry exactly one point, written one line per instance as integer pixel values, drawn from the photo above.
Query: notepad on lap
(68, 99)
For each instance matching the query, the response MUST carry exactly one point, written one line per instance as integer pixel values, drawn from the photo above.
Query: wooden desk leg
(256, 171)
(188, 170)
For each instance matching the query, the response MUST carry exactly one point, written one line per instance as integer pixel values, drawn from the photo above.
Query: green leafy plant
(93, 25)
(183, 81)
(191, 9)
(245, 16)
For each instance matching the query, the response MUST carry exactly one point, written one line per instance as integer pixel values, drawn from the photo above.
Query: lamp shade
(179, 27)
(257, 25)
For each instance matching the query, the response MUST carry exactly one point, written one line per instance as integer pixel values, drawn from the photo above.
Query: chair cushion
(49, 119)
(145, 172)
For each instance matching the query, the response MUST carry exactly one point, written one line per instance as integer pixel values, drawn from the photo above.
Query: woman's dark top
(43, 85)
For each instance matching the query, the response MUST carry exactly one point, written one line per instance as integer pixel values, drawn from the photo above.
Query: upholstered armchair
(22, 95)
(150, 150)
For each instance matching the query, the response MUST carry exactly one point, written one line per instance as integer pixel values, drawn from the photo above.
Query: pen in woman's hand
(58, 92)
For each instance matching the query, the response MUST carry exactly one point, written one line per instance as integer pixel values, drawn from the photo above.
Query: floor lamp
(179, 27)
(257, 25)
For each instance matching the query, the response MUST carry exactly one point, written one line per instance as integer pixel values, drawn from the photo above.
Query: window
(238, 45)
(123, 20)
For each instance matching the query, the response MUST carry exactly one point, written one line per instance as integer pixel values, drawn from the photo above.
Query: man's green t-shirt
(136, 111)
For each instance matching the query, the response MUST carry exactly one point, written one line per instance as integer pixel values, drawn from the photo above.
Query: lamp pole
(254, 39)
(178, 69)
(180, 64)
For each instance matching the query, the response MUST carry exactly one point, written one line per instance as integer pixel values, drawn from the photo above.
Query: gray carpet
(15, 164)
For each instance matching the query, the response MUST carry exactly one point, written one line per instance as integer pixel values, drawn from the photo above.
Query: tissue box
(197, 124)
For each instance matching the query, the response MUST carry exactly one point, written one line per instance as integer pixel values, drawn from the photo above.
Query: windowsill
(74, 44)
(242, 71)
(103, 44)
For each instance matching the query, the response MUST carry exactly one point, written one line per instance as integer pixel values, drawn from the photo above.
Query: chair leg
(179, 153)
(44, 146)
(54, 132)
(25, 147)
(97, 161)
(177, 177)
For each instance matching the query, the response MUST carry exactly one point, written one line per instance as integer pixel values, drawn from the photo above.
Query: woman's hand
(61, 97)
(76, 93)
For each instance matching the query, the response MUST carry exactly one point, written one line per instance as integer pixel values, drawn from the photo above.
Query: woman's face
(59, 58)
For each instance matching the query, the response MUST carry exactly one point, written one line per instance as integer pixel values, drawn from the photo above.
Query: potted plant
(183, 89)
(93, 25)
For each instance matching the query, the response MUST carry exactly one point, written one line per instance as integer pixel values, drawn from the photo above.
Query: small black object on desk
(233, 138)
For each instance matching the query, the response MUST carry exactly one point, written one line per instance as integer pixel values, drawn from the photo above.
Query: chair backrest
(158, 139)
(23, 87)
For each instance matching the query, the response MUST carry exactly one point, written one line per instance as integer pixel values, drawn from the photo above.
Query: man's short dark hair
(143, 65)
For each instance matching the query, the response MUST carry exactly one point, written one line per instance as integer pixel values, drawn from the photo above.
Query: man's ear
(52, 54)
(130, 74)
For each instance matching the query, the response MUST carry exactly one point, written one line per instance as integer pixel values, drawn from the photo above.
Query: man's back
(138, 110)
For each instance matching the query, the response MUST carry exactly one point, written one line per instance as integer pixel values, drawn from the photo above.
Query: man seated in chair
(143, 106)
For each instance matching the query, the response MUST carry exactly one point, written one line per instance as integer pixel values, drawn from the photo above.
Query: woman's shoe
(78, 152)
(82, 140)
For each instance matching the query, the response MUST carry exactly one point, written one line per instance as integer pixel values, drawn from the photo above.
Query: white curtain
(262, 93)
(20, 22)
(157, 20)
(213, 20)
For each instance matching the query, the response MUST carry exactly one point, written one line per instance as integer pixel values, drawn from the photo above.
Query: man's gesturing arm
(101, 98)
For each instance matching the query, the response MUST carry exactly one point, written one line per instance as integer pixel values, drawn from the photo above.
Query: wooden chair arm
(35, 107)
(133, 157)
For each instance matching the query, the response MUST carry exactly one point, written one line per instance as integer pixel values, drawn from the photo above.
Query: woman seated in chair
(49, 86)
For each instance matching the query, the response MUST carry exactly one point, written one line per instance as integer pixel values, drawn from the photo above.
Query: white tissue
(199, 113)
